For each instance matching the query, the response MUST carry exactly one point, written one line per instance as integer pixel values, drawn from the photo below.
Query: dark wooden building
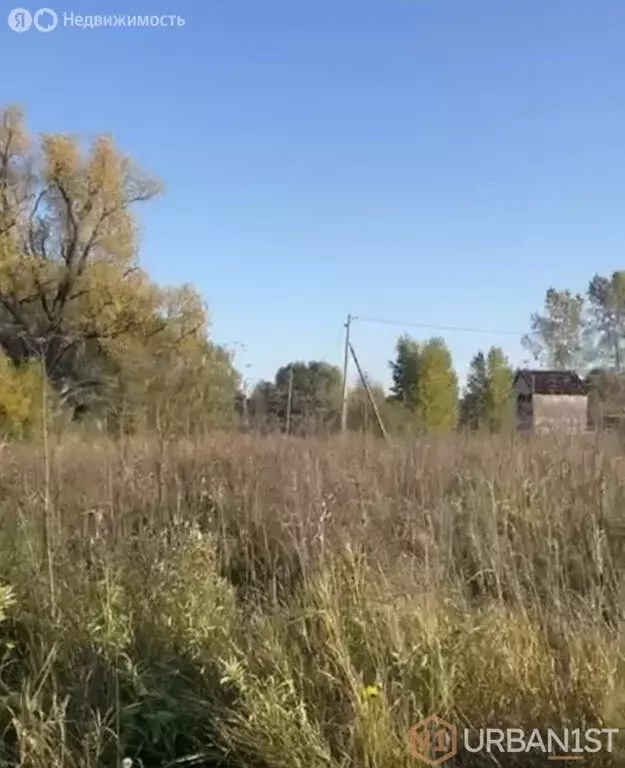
(547, 401)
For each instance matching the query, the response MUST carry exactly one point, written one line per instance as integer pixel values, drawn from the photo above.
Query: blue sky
(434, 161)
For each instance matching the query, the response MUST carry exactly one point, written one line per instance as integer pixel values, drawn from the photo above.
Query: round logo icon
(19, 20)
(45, 20)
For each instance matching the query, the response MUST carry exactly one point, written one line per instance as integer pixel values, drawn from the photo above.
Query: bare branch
(31, 219)
(69, 253)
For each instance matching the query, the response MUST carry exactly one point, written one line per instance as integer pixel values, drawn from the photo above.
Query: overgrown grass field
(284, 604)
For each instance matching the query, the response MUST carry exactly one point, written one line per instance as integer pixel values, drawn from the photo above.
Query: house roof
(552, 382)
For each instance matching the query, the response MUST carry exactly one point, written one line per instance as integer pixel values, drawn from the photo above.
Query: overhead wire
(433, 327)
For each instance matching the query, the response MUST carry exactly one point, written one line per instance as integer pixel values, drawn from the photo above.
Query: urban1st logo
(21, 20)
(433, 741)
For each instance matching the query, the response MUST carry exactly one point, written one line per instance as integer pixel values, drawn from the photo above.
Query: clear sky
(434, 161)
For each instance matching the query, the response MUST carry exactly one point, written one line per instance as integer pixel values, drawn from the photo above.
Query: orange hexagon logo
(433, 740)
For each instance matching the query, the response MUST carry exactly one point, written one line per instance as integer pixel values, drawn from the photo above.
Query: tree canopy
(556, 336)
(73, 294)
(405, 373)
(315, 398)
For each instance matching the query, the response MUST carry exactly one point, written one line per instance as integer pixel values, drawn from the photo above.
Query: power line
(428, 326)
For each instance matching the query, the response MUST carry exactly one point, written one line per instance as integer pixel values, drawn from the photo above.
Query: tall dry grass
(276, 603)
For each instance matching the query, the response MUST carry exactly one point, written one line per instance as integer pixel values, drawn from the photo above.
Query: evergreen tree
(405, 371)
(473, 405)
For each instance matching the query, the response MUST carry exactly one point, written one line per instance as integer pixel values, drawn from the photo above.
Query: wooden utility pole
(374, 405)
(246, 421)
(289, 404)
(345, 366)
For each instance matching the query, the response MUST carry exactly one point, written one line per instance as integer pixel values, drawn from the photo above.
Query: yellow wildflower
(371, 691)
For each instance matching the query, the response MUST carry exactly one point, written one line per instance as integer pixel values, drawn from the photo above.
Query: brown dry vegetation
(229, 602)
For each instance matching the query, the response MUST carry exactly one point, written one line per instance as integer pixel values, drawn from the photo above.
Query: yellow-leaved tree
(73, 295)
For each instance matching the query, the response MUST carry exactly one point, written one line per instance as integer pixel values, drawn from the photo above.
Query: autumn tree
(606, 322)
(606, 397)
(262, 408)
(397, 419)
(360, 413)
(438, 387)
(556, 339)
(21, 400)
(499, 403)
(72, 292)
(176, 380)
(68, 266)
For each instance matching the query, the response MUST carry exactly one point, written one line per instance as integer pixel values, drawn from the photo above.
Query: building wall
(560, 412)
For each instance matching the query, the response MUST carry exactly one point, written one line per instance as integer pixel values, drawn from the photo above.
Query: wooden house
(547, 401)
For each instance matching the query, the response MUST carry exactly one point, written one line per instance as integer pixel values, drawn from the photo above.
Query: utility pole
(370, 396)
(345, 365)
(289, 404)
(246, 422)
